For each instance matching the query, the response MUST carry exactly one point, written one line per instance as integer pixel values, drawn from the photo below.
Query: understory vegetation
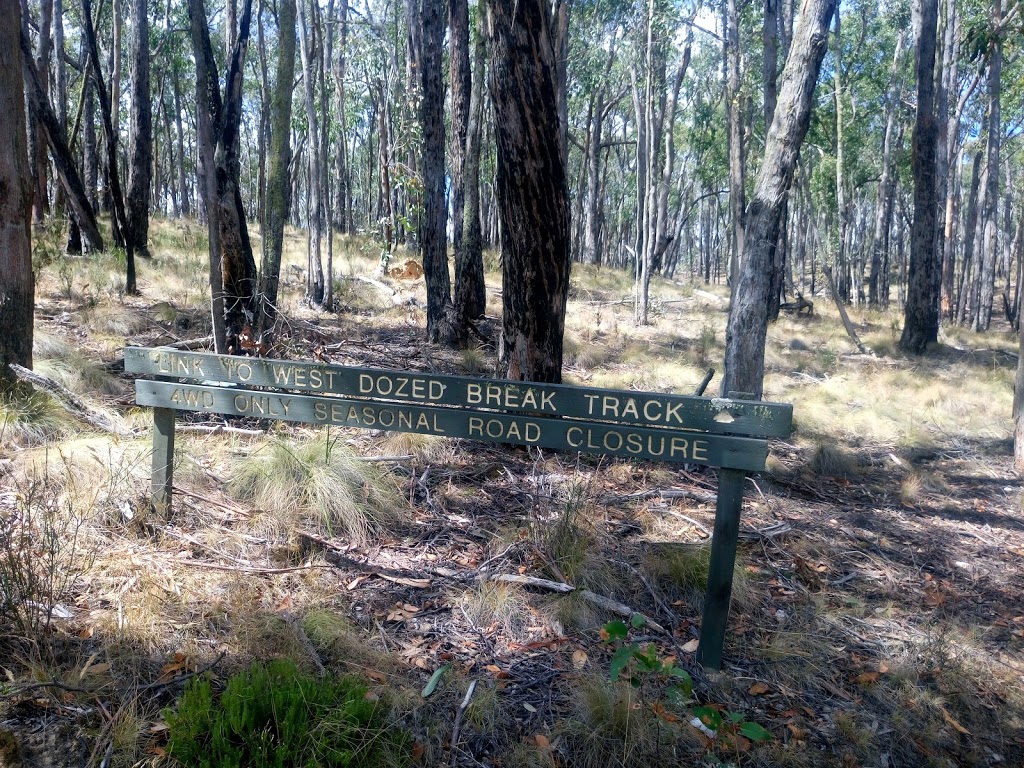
(333, 598)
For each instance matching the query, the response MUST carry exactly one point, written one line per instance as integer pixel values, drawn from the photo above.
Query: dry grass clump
(425, 449)
(78, 373)
(829, 460)
(33, 419)
(583, 354)
(501, 607)
(571, 545)
(611, 727)
(318, 483)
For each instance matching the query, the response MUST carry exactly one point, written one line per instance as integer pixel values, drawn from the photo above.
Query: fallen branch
(613, 606)
(69, 402)
(217, 429)
(705, 497)
(699, 526)
(300, 633)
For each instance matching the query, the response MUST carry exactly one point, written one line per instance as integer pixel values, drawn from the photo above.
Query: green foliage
(271, 715)
(644, 663)
(644, 666)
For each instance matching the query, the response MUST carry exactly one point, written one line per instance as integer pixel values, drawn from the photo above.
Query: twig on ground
(187, 676)
(699, 526)
(457, 727)
(296, 626)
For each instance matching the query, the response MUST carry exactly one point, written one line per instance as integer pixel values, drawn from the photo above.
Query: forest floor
(877, 617)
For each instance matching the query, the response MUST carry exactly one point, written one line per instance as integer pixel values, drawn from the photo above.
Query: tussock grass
(33, 419)
(831, 461)
(612, 727)
(318, 483)
(496, 605)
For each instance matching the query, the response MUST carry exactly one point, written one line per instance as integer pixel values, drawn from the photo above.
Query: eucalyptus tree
(277, 191)
(748, 315)
(140, 134)
(921, 313)
(531, 188)
(17, 290)
(232, 267)
(470, 296)
(315, 161)
(442, 324)
(108, 113)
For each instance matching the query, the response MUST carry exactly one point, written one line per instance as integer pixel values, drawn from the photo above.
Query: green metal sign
(715, 415)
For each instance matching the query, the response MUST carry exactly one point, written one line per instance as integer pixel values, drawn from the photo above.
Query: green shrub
(272, 715)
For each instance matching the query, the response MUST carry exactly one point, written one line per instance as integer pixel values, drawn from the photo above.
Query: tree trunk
(314, 165)
(277, 200)
(232, 268)
(470, 290)
(141, 134)
(531, 188)
(748, 318)
(441, 322)
(460, 75)
(990, 204)
(734, 120)
(62, 158)
(343, 195)
(886, 187)
(37, 146)
(921, 313)
(90, 152)
(179, 138)
(17, 290)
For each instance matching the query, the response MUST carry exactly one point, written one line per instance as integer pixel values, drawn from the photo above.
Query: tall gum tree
(921, 312)
(16, 287)
(531, 188)
(748, 316)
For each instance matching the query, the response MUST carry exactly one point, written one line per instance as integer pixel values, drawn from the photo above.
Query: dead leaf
(951, 721)
(529, 707)
(883, 667)
(285, 604)
(691, 646)
(86, 633)
(797, 731)
(663, 713)
(541, 740)
(417, 751)
(579, 659)
(758, 689)
(355, 583)
(867, 678)
(497, 671)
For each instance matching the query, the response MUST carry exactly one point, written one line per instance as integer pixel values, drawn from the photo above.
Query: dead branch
(69, 402)
(705, 497)
(613, 606)
(300, 633)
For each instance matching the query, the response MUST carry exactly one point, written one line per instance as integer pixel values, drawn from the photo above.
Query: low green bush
(271, 715)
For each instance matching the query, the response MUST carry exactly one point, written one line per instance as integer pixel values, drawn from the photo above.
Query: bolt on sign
(728, 433)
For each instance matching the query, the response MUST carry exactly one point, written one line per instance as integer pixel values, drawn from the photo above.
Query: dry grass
(318, 483)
